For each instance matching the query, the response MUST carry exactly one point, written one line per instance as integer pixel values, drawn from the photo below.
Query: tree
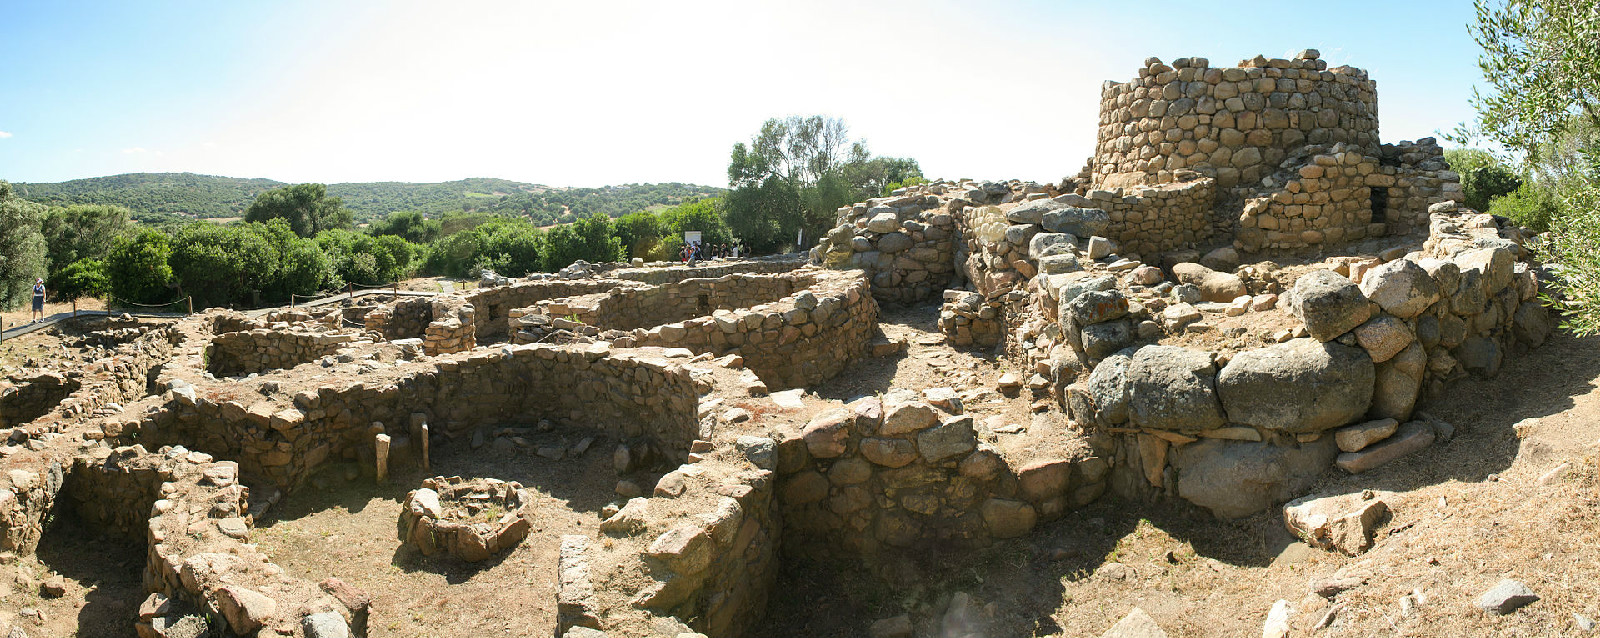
(22, 247)
(410, 226)
(82, 231)
(80, 279)
(639, 233)
(796, 173)
(590, 239)
(1541, 61)
(221, 265)
(138, 267)
(306, 207)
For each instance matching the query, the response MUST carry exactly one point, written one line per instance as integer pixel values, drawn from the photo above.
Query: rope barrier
(130, 303)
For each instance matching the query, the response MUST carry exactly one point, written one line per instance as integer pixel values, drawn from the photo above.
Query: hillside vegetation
(157, 197)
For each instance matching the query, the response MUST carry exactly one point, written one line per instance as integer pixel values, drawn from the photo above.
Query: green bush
(80, 279)
(1527, 206)
(138, 268)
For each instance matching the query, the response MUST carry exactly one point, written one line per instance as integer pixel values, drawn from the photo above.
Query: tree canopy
(1541, 63)
(306, 207)
(796, 172)
(22, 247)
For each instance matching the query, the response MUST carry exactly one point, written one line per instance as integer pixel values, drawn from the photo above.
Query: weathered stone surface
(904, 412)
(1096, 306)
(325, 624)
(246, 610)
(1506, 596)
(1047, 244)
(1344, 523)
(1059, 263)
(1173, 388)
(1397, 384)
(1357, 437)
(1137, 624)
(632, 518)
(951, 438)
(1531, 323)
(1103, 339)
(1108, 390)
(1213, 285)
(883, 223)
(1235, 479)
(1481, 356)
(1044, 479)
(1079, 222)
(1007, 518)
(1032, 212)
(1411, 437)
(1300, 386)
(1384, 336)
(889, 452)
(827, 433)
(1329, 305)
(1401, 287)
(686, 549)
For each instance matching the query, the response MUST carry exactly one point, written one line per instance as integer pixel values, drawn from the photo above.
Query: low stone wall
(1238, 432)
(452, 329)
(901, 473)
(24, 398)
(281, 439)
(967, 319)
(630, 308)
(1325, 195)
(403, 319)
(259, 350)
(199, 557)
(710, 269)
(906, 245)
(799, 340)
(1152, 220)
(493, 306)
(706, 555)
(38, 458)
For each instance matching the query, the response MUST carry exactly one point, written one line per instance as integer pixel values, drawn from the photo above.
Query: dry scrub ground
(342, 525)
(1466, 514)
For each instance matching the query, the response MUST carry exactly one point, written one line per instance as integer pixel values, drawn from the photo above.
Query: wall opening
(1380, 205)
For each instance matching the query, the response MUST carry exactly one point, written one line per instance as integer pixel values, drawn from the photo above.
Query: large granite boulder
(1403, 288)
(1213, 285)
(1300, 386)
(1329, 304)
(1173, 388)
(1078, 222)
(1235, 479)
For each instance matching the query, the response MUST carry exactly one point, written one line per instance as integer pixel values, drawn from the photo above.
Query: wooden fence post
(190, 299)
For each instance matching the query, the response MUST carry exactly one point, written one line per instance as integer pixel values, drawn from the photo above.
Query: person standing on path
(38, 300)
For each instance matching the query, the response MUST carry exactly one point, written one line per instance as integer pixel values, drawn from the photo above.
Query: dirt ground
(1466, 514)
(103, 578)
(345, 526)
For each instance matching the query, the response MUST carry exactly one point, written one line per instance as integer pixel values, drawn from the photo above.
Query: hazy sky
(594, 92)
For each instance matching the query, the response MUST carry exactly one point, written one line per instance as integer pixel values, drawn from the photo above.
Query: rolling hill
(157, 195)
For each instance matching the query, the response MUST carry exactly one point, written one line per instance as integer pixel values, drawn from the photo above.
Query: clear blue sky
(604, 92)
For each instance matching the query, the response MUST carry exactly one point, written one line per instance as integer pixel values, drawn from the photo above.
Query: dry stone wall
(906, 245)
(900, 473)
(1237, 432)
(1329, 195)
(796, 341)
(24, 398)
(1232, 124)
(259, 350)
(282, 438)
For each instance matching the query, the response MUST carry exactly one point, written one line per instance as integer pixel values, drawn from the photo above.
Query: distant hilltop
(155, 195)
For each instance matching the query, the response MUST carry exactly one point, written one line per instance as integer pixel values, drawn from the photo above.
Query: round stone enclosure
(470, 519)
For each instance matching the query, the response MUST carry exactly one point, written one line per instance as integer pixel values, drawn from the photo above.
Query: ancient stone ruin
(1161, 349)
